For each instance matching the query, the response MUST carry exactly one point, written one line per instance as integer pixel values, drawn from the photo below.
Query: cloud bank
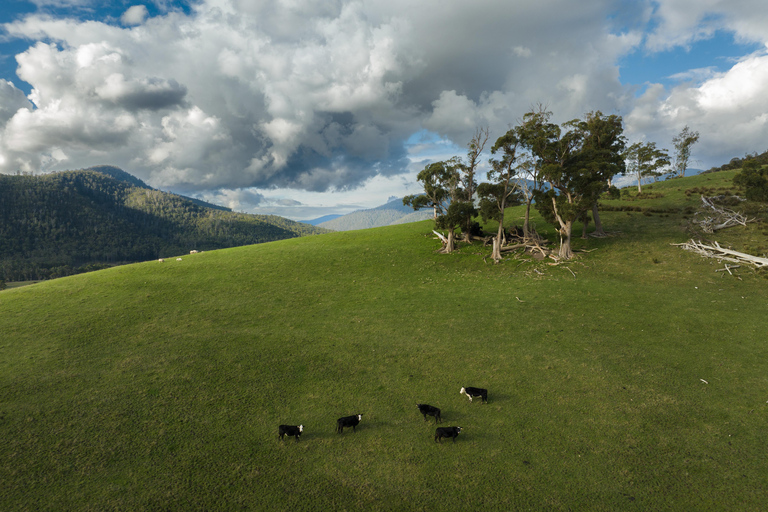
(235, 99)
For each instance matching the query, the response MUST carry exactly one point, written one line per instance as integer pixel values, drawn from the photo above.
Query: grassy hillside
(160, 386)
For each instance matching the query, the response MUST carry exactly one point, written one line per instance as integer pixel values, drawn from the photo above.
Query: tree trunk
(565, 252)
(639, 190)
(449, 245)
(526, 227)
(598, 225)
(497, 242)
(566, 226)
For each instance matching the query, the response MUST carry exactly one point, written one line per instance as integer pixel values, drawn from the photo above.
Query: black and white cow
(442, 432)
(428, 410)
(291, 430)
(475, 392)
(348, 421)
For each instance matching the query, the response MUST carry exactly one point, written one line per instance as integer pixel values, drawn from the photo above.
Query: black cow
(291, 430)
(348, 421)
(470, 392)
(442, 432)
(428, 410)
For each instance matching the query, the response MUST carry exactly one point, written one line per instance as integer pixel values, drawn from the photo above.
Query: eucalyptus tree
(442, 192)
(683, 142)
(643, 159)
(467, 171)
(502, 190)
(577, 160)
(601, 156)
(533, 133)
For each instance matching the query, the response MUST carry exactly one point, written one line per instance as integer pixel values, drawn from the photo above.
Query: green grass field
(634, 377)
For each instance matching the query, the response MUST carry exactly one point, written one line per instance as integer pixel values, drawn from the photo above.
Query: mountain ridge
(69, 222)
(388, 214)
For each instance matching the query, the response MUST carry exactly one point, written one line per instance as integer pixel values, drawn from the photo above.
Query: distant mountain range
(64, 223)
(393, 212)
(320, 220)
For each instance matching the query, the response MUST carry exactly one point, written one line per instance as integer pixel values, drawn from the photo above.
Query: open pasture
(632, 378)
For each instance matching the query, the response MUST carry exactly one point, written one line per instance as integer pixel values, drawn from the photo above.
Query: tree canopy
(645, 160)
(683, 143)
(577, 161)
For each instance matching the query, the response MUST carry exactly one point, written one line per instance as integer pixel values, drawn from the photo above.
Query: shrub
(754, 179)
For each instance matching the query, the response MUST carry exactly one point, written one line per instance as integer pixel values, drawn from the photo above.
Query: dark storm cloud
(323, 95)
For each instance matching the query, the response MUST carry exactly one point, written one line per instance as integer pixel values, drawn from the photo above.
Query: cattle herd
(295, 431)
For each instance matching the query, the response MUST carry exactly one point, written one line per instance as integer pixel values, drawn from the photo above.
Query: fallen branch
(441, 236)
(719, 217)
(727, 268)
(722, 254)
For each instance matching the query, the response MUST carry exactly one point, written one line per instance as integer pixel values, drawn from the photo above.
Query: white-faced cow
(475, 392)
(348, 421)
(442, 432)
(428, 410)
(291, 430)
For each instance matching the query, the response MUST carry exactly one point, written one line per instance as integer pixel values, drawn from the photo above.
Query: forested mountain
(69, 222)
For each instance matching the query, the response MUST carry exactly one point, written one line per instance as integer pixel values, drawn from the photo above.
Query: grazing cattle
(348, 421)
(161, 260)
(470, 392)
(431, 411)
(291, 430)
(442, 432)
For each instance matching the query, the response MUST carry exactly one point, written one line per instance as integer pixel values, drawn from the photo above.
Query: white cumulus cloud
(322, 96)
(135, 15)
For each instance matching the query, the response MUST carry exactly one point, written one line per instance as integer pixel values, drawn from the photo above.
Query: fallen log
(723, 254)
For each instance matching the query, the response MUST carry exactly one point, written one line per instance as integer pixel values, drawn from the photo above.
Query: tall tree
(502, 188)
(533, 133)
(683, 142)
(442, 191)
(577, 161)
(468, 170)
(601, 151)
(644, 160)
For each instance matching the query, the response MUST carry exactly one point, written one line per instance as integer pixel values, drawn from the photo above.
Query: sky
(302, 108)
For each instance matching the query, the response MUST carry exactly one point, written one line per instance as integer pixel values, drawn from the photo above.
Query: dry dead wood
(723, 254)
(716, 217)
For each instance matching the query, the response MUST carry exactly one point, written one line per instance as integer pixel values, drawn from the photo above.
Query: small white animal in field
(178, 259)
(161, 260)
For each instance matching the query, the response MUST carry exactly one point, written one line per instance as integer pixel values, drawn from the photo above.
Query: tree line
(561, 169)
(75, 221)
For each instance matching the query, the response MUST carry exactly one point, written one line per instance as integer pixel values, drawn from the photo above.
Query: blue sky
(311, 107)
(716, 54)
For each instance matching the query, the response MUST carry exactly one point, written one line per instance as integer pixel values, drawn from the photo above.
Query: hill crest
(68, 222)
